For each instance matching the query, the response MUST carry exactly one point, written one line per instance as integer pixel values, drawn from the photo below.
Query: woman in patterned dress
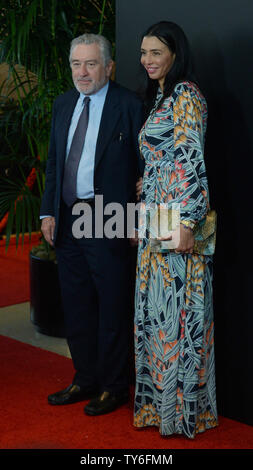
(174, 332)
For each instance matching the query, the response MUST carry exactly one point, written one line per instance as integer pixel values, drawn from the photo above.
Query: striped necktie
(74, 156)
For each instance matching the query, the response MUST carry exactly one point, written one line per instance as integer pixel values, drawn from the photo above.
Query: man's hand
(138, 188)
(134, 238)
(47, 228)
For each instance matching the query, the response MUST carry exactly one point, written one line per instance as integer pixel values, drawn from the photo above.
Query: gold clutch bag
(204, 231)
(205, 234)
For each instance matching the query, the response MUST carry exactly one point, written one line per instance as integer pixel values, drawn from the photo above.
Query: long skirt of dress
(174, 343)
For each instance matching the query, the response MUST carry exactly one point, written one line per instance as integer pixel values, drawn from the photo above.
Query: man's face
(88, 70)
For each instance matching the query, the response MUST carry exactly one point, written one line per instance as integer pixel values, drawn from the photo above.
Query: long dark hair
(182, 69)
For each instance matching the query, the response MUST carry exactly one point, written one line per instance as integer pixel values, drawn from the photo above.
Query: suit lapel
(110, 116)
(64, 123)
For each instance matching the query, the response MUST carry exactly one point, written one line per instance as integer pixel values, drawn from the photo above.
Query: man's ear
(109, 68)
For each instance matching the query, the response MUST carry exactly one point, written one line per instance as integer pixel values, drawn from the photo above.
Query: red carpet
(14, 271)
(29, 374)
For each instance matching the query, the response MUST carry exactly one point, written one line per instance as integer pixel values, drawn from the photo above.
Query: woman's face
(157, 58)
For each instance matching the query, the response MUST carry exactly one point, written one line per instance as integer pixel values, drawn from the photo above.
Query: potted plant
(34, 49)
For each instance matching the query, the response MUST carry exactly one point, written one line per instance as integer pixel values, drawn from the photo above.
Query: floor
(15, 323)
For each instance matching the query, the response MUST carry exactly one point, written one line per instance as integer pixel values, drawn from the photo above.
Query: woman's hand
(186, 242)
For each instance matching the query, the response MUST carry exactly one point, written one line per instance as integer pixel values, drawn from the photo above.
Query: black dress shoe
(70, 395)
(105, 403)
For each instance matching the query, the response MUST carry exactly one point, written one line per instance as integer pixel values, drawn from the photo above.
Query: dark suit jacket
(117, 160)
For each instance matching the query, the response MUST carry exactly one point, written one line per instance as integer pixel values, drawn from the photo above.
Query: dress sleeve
(191, 182)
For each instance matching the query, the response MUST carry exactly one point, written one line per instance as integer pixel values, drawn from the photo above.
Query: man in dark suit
(94, 272)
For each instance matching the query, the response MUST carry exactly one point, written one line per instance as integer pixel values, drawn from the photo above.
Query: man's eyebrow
(87, 60)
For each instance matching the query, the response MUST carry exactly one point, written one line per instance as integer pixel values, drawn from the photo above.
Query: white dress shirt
(85, 174)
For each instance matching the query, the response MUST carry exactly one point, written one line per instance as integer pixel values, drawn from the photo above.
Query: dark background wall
(221, 36)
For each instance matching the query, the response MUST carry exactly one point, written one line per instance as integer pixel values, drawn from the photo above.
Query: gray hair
(88, 38)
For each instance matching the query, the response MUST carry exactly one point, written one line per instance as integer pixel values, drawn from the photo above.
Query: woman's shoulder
(188, 88)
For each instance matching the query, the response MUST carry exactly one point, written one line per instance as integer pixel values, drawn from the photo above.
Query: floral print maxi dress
(174, 332)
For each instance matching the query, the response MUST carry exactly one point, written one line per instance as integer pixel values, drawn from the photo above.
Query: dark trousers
(96, 293)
